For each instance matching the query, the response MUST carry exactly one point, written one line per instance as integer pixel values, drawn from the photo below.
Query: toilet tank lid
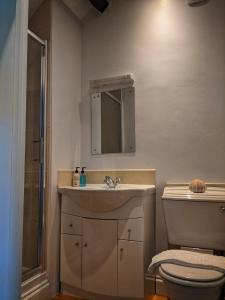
(182, 192)
(191, 274)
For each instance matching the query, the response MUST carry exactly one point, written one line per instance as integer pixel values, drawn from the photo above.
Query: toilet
(195, 221)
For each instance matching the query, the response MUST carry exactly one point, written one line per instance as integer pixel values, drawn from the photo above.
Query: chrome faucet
(112, 184)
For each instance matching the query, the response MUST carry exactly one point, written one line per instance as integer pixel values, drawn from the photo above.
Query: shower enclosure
(34, 189)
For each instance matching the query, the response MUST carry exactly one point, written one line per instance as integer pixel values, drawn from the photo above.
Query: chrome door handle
(222, 208)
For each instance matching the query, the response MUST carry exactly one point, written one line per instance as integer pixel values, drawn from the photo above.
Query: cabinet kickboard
(65, 297)
(156, 297)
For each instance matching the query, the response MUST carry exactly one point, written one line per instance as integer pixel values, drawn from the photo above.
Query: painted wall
(13, 37)
(176, 54)
(65, 96)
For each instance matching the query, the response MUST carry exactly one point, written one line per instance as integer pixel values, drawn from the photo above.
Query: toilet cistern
(194, 220)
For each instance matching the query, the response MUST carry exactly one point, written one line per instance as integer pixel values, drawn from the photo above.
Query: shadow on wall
(7, 16)
(196, 3)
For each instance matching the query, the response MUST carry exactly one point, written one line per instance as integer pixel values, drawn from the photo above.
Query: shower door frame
(42, 176)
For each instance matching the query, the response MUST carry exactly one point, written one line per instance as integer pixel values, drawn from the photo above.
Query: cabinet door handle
(71, 225)
(129, 230)
(77, 244)
(36, 141)
(85, 245)
(121, 249)
(36, 159)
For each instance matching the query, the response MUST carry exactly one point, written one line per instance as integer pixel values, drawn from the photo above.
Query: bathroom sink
(100, 198)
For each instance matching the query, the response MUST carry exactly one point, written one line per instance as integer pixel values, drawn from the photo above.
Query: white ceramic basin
(100, 198)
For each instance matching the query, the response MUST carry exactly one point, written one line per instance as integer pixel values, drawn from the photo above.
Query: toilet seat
(192, 274)
(189, 276)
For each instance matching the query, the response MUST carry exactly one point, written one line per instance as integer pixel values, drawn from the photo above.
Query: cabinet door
(71, 224)
(70, 272)
(130, 269)
(99, 268)
(132, 230)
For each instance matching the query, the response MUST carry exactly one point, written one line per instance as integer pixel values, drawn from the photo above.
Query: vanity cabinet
(106, 253)
(71, 224)
(89, 261)
(99, 263)
(130, 269)
(70, 263)
(131, 229)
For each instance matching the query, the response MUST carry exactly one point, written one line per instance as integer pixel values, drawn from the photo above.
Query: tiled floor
(64, 297)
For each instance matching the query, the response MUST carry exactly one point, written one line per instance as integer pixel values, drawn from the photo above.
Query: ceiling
(34, 5)
(80, 8)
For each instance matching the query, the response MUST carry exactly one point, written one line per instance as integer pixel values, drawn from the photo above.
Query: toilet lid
(191, 274)
(182, 192)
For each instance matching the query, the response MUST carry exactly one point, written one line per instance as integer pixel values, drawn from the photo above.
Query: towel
(188, 259)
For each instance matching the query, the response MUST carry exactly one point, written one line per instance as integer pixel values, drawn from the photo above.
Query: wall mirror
(113, 115)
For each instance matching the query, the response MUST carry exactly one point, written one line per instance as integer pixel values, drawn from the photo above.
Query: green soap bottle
(83, 177)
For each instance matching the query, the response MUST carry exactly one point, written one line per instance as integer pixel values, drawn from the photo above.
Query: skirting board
(149, 285)
(160, 287)
(155, 285)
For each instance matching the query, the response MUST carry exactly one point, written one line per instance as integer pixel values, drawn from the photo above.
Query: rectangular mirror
(113, 121)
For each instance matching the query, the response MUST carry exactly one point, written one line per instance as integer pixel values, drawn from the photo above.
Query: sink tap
(112, 184)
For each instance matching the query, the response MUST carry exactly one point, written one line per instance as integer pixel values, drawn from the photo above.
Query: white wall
(177, 56)
(13, 39)
(65, 95)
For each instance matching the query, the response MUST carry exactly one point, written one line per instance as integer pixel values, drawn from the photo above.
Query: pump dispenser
(76, 178)
(83, 177)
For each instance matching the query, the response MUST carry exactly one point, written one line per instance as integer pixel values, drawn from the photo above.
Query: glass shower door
(34, 189)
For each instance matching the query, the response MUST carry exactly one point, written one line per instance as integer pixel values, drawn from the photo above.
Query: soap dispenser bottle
(83, 177)
(76, 178)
